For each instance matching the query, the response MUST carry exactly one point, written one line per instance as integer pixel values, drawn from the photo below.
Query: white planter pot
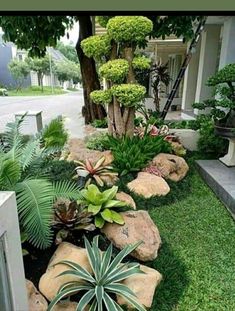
(189, 138)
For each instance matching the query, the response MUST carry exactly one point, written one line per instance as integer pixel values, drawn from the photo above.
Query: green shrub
(129, 28)
(54, 170)
(141, 63)
(96, 46)
(115, 70)
(101, 97)
(104, 283)
(98, 142)
(129, 95)
(208, 142)
(103, 123)
(131, 154)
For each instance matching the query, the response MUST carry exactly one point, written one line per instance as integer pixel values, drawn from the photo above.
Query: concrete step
(221, 179)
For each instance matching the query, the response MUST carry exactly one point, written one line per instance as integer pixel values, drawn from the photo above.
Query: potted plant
(222, 108)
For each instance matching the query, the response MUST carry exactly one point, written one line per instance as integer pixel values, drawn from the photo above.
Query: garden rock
(148, 185)
(138, 227)
(143, 286)
(79, 152)
(67, 306)
(49, 283)
(36, 301)
(172, 167)
(124, 197)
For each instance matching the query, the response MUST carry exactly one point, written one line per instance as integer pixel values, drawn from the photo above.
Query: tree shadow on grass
(175, 279)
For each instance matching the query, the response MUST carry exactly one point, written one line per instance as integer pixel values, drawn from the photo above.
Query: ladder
(184, 66)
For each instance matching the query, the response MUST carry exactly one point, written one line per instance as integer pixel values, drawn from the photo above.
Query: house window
(20, 57)
(174, 64)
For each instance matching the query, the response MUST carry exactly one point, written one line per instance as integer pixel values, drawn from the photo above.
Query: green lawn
(36, 91)
(197, 258)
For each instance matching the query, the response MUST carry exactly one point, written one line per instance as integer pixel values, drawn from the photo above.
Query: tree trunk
(90, 79)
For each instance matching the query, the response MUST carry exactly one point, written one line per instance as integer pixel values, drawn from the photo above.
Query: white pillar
(227, 55)
(190, 80)
(208, 61)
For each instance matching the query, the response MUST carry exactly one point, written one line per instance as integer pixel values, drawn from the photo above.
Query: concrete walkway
(68, 105)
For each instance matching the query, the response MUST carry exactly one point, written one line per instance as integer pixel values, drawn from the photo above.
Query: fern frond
(10, 173)
(34, 201)
(28, 153)
(54, 134)
(66, 189)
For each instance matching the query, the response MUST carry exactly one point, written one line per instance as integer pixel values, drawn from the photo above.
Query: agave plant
(104, 282)
(98, 171)
(101, 205)
(35, 196)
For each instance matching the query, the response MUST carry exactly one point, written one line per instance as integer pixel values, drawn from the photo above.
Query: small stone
(49, 283)
(172, 167)
(36, 301)
(148, 185)
(143, 286)
(138, 227)
(124, 197)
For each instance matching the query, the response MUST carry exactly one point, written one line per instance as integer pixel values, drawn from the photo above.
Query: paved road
(69, 105)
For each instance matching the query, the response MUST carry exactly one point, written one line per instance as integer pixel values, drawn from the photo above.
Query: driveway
(69, 105)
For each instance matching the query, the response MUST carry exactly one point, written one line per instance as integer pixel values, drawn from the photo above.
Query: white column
(208, 61)
(227, 55)
(190, 80)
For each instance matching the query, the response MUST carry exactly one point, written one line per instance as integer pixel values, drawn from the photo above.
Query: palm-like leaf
(10, 173)
(54, 134)
(34, 200)
(66, 189)
(28, 153)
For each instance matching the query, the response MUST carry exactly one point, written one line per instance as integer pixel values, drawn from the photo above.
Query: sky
(73, 35)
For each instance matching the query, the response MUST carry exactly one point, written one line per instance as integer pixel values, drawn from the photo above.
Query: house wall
(7, 53)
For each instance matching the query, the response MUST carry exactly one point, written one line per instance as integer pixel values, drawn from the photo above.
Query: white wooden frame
(10, 238)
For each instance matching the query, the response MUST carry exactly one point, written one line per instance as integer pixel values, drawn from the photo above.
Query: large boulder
(49, 283)
(143, 286)
(172, 167)
(79, 152)
(36, 301)
(138, 227)
(148, 185)
(124, 197)
(67, 306)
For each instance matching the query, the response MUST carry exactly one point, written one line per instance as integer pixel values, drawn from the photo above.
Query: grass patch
(36, 91)
(197, 258)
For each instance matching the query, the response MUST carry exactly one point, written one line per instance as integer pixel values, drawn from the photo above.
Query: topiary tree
(116, 51)
(224, 89)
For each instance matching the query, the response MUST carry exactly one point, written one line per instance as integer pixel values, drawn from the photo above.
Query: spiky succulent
(103, 283)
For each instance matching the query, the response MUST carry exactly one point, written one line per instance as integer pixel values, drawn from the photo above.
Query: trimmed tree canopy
(141, 63)
(115, 70)
(226, 74)
(101, 97)
(96, 46)
(129, 29)
(129, 95)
